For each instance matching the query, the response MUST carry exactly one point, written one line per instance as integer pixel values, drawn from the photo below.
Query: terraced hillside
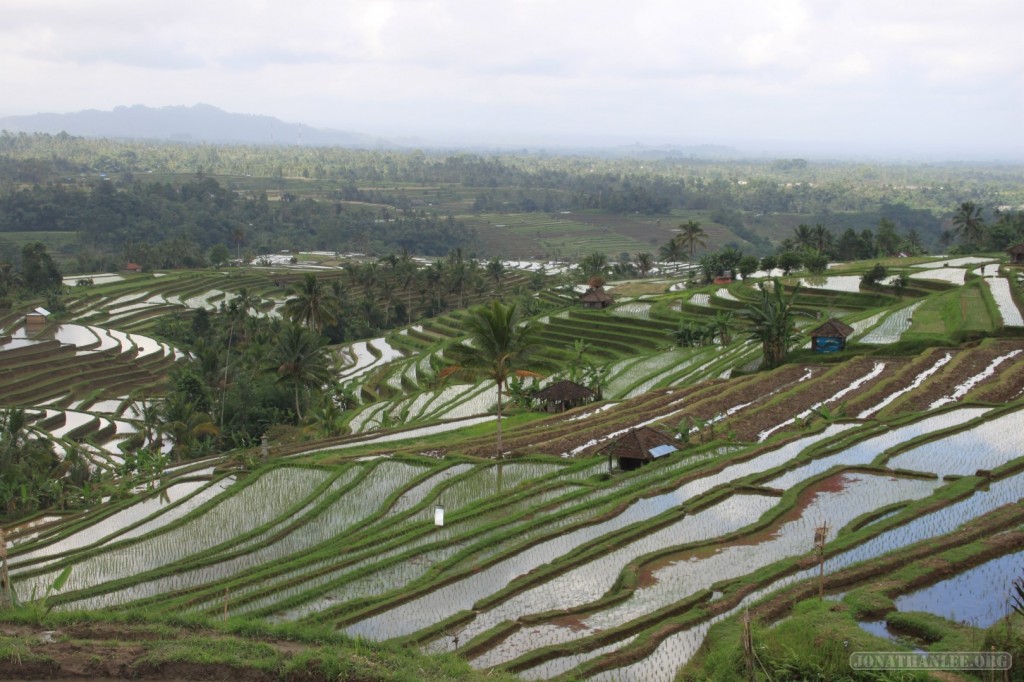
(552, 561)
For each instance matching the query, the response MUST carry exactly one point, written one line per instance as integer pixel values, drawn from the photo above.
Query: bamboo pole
(748, 646)
(6, 600)
(820, 538)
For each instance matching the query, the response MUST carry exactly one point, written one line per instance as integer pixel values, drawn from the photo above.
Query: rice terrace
(666, 480)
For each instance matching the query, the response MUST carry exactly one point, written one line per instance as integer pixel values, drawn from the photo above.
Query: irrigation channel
(544, 565)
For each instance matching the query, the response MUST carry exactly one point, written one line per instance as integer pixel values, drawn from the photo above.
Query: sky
(892, 78)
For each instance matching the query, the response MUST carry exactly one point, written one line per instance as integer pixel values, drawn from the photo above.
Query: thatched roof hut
(596, 297)
(639, 446)
(1016, 254)
(563, 395)
(831, 336)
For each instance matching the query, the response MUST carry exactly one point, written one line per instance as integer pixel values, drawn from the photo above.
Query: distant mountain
(199, 123)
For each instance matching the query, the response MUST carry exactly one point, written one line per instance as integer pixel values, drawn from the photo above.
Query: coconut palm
(407, 275)
(312, 304)
(644, 263)
(822, 238)
(498, 347)
(672, 252)
(803, 236)
(299, 361)
(691, 236)
(238, 237)
(968, 224)
(246, 301)
(496, 271)
(594, 265)
(184, 424)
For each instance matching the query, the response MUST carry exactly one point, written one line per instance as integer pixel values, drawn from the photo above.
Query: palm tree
(594, 265)
(773, 322)
(435, 278)
(804, 236)
(407, 274)
(822, 238)
(497, 347)
(184, 424)
(245, 301)
(238, 237)
(672, 252)
(312, 304)
(692, 235)
(644, 263)
(968, 224)
(299, 360)
(496, 271)
(458, 274)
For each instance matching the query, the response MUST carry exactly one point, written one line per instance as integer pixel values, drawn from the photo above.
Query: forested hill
(168, 226)
(106, 194)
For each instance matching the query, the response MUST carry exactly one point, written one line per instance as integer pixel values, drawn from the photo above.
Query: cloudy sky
(933, 78)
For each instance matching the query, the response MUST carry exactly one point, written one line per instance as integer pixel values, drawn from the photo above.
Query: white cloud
(746, 68)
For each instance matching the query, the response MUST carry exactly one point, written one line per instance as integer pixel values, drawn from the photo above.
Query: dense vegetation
(356, 368)
(167, 205)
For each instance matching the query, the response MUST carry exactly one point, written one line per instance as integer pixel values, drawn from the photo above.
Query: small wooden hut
(638, 447)
(831, 336)
(564, 395)
(596, 297)
(37, 317)
(133, 267)
(1016, 254)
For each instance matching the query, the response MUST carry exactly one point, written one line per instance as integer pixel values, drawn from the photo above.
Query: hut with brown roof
(638, 447)
(564, 395)
(1016, 254)
(831, 336)
(596, 297)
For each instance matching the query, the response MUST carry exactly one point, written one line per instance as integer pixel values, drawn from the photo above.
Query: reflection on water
(978, 597)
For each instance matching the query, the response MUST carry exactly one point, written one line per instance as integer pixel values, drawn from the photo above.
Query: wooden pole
(6, 601)
(820, 538)
(748, 646)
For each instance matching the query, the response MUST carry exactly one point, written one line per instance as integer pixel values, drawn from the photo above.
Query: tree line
(163, 226)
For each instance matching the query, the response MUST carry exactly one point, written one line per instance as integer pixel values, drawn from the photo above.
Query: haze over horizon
(915, 79)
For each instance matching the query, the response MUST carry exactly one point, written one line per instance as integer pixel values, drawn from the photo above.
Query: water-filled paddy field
(540, 556)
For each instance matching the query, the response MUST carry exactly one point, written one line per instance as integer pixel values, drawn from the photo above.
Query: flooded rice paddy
(546, 544)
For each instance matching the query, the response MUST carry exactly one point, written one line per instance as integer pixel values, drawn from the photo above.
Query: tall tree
(38, 269)
(803, 235)
(185, 424)
(672, 252)
(691, 236)
(498, 347)
(238, 238)
(968, 224)
(887, 242)
(594, 265)
(496, 271)
(773, 323)
(644, 263)
(312, 304)
(822, 238)
(299, 362)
